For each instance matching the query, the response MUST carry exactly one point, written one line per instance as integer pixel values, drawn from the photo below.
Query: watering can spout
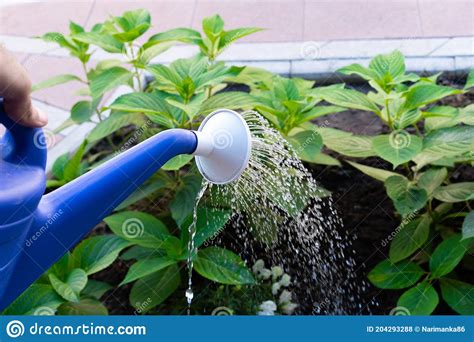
(36, 230)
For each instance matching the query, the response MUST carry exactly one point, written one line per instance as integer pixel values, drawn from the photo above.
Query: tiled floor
(284, 20)
(344, 28)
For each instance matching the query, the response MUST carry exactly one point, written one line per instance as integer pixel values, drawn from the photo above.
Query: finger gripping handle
(21, 144)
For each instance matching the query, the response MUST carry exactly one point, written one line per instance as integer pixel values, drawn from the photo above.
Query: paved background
(301, 38)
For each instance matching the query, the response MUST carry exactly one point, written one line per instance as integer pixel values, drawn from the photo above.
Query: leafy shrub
(429, 142)
(65, 289)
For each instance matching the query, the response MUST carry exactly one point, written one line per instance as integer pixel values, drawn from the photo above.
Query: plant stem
(389, 119)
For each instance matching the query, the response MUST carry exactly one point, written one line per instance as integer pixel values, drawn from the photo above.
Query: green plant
(65, 289)
(214, 41)
(289, 105)
(160, 255)
(179, 96)
(420, 187)
(425, 142)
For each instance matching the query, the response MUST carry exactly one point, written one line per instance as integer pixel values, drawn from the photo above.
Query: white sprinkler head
(224, 146)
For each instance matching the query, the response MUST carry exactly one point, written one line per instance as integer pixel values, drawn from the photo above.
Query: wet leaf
(419, 300)
(222, 266)
(387, 275)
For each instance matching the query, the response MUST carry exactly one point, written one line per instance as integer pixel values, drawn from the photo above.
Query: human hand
(15, 88)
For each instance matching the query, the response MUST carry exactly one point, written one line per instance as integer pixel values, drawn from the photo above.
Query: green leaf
(458, 295)
(307, 144)
(379, 174)
(419, 300)
(468, 226)
(63, 41)
(316, 112)
(72, 169)
(85, 307)
(96, 289)
(213, 26)
(408, 119)
(98, 252)
(63, 289)
(151, 52)
(470, 80)
(441, 117)
(447, 255)
(431, 179)
(395, 276)
(139, 228)
(423, 94)
(185, 198)
(81, 111)
(77, 280)
(210, 222)
(102, 40)
(35, 298)
(228, 37)
(445, 142)
(147, 103)
(59, 165)
(229, 100)
(153, 289)
(133, 23)
(347, 98)
(388, 66)
(350, 145)
(324, 159)
(54, 81)
(109, 79)
(453, 193)
(177, 162)
(183, 35)
(110, 125)
(359, 70)
(222, 266)
(410, 237)
(142, 268)
(406, 197)
(138, 252)
(397, 148)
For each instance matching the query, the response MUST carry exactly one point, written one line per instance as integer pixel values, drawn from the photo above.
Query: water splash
(281, 212)
(191, 244)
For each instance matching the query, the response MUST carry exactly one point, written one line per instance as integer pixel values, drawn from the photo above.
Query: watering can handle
(21, 144)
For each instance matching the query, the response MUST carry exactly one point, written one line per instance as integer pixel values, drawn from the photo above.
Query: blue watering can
(37, 229)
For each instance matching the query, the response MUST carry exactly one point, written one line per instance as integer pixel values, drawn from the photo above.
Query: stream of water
(280, 209)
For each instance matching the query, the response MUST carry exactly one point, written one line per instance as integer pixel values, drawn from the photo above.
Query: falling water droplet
(189, 296)
(277, 198)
